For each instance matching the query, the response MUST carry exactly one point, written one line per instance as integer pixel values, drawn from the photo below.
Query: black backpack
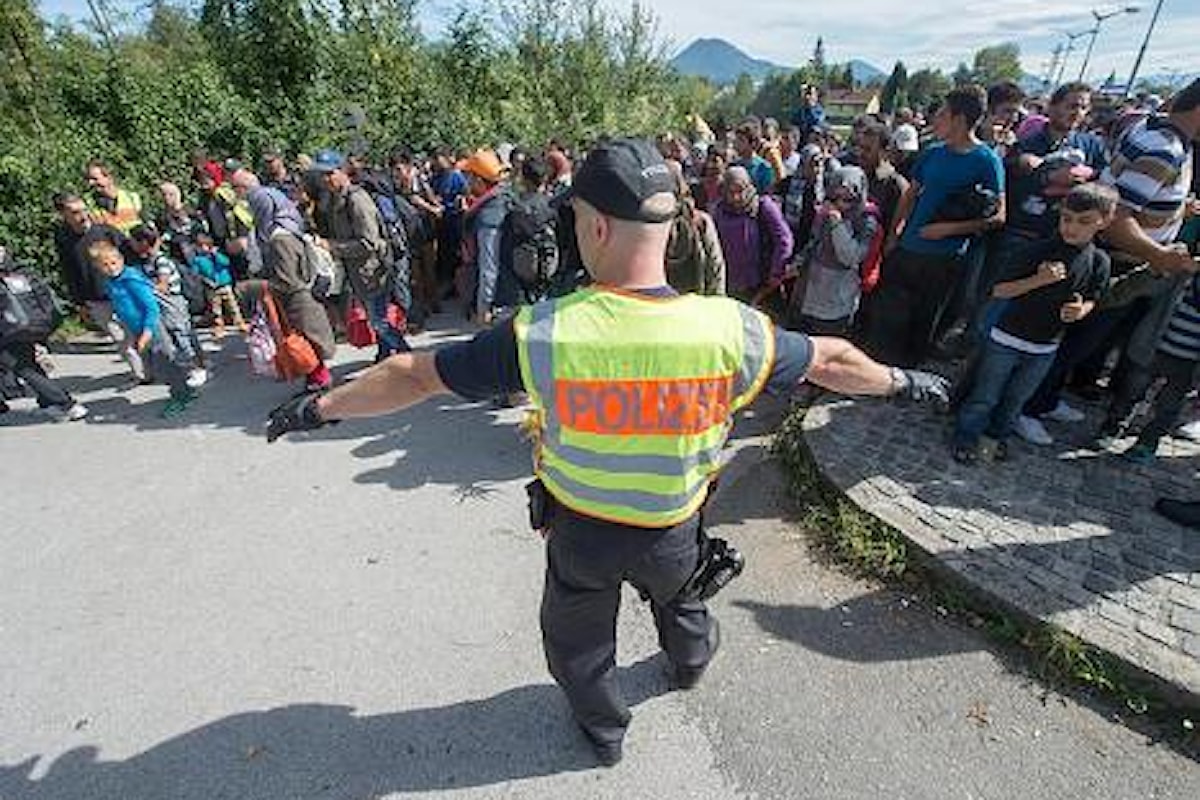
(532, 233)
(29, 311)
(194, 291)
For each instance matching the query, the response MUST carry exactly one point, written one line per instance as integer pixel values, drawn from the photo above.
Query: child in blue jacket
(213, 266)
(135, 304)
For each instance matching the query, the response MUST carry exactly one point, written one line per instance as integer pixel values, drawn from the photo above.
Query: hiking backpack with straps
(29, 311)
(532, 232)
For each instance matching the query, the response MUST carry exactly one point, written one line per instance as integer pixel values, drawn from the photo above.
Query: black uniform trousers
(587, 561)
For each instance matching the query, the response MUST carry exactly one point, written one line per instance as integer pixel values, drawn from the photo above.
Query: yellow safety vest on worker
(124, 216)
(634, 397)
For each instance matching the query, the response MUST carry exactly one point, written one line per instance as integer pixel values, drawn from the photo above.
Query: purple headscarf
(273, 210)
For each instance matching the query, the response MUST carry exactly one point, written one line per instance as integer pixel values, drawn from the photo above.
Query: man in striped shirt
(1152, 171)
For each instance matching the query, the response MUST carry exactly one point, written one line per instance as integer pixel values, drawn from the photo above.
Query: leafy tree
(925, 86)
(997, 63)
(237, 75)
(732, 104)
(962, 75)
(894, 88)
(817, 64)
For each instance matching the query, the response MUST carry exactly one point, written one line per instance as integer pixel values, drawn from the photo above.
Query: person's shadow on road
(329, 752)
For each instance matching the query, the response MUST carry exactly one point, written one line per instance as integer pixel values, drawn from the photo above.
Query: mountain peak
(721, 61)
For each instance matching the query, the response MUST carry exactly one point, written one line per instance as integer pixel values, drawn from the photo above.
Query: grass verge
(869, 547)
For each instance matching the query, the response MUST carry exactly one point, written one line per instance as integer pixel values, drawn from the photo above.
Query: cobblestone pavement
(1064, 533)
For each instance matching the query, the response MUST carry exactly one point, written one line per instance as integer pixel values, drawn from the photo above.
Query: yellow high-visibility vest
(124, 216)
(634, 397)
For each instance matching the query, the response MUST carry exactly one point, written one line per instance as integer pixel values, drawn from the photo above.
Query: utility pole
(1137, 64)
(1062, 67)
(1095, 31)
(1056, 56)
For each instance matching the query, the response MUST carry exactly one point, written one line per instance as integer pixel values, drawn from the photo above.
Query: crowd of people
(1038, 243)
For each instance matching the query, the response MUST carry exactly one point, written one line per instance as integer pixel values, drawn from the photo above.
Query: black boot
(1182, 512)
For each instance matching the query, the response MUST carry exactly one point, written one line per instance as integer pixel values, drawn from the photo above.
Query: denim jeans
(391, 338)
(1004, 379)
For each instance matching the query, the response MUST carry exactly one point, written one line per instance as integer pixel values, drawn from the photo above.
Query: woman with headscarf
(755, 239)
(846, 238)
(279, 231)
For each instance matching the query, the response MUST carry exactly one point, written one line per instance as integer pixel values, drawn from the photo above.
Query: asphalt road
(189, 614)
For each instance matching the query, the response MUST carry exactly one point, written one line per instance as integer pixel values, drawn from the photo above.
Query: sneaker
(197, 378)
(1033, 431)
(1107, 436)
(1189, 431)
(1064, 413)
(177, 405)
(71, 413)
(1139, 454)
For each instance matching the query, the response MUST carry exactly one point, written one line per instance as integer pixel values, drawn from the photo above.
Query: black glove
(922, 387)
(298, 414)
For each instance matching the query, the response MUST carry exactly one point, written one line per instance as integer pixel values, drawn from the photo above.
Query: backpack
(393, 225)
(29, 311)
(532, 233)
(321, 267)
(193, 289)
(685, 256)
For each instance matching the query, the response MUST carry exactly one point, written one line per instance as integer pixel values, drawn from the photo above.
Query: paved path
(189, 614)
(1064, 533)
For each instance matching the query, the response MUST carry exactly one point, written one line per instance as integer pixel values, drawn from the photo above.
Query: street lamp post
(1100, 18)
(1062, 67)
(1137, 64)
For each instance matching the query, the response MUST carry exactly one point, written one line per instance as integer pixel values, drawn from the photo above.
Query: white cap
(905, 139)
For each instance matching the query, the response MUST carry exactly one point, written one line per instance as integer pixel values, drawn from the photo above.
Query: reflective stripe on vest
(639, 449)
(126, 213)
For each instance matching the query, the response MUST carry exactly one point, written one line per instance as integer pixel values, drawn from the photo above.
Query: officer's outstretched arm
(839, 366)
(394, 384)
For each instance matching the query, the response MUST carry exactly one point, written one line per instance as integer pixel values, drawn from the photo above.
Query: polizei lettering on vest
(682, 406)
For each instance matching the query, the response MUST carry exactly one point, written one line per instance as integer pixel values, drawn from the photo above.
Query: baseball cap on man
(906, 139)
(328, 161)
(620, 175)
(483, 164)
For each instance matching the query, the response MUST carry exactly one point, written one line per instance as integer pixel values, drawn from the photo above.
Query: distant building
(842, 105)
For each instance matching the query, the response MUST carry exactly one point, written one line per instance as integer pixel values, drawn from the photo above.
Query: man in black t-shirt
(85, 286)
(1052, 284)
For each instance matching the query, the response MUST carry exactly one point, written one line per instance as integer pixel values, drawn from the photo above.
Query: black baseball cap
(620, 175)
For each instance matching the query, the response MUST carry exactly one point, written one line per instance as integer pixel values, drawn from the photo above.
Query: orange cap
(483, 164)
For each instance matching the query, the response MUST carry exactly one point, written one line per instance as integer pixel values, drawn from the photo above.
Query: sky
(927, 33)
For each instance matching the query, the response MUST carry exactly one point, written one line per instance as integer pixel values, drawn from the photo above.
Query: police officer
(633, 389)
